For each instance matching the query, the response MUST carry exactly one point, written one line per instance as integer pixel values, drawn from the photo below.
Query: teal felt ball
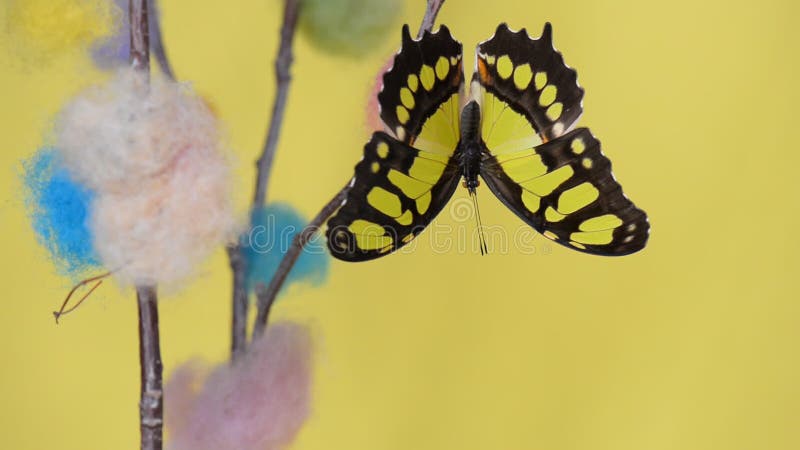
(272, 229)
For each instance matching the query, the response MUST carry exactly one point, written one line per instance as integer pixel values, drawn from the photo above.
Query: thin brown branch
(151, 400)
(63, 311)
(283, 77)
(151, 403)
(240, 301)
(431, 12)
(266, 296)
(140, 35)
(157, 41)
(283, 64)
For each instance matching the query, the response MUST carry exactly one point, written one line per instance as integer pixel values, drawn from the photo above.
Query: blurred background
(688, 344)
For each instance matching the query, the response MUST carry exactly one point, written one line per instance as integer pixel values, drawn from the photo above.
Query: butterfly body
(515, 130)
(470, 148)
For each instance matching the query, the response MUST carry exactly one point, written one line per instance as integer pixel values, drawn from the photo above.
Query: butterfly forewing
(527, 90)
(565, 190)
(419, 99)
(396, 192)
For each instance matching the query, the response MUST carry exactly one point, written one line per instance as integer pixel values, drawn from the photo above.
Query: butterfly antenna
(481, 236)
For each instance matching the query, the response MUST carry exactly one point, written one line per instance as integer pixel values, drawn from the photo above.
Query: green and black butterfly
(513, 128)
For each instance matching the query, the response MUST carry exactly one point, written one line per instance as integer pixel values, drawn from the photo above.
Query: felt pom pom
(348, 27)
(113, 134)
(41, 30)
(160, 231)
(59, 211)
(153, 157)
(272, 229)
(258, 403)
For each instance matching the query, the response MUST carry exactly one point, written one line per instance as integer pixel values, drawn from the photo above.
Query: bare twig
(151, 401)
(267, 296)
(98, 279)
(431, 11)
(157, 41)
(240, 301)
(140, 35)
(283, 64)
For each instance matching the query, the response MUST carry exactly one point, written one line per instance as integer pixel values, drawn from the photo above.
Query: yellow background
(690, 344)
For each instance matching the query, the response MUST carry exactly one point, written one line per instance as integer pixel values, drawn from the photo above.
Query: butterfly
(513, 127)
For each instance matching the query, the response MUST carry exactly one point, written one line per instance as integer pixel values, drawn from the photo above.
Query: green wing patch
(529, 77)
(396, 192)
(566, 191)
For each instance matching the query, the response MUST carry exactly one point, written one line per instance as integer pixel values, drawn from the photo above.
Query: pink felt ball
(258, 403)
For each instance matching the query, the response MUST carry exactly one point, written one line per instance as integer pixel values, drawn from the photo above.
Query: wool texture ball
(111, 136)
(272, 229)
(40, 30)
(159, 232)
(258, 403)
(348, 27)
(59, 208)
(153, 156)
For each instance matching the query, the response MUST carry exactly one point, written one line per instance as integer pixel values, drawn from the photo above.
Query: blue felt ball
(59, 210)
(272, 229)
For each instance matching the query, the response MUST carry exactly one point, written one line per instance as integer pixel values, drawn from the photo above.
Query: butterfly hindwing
(396, 192)
(419, 98)
(529, 77)
(565, 190)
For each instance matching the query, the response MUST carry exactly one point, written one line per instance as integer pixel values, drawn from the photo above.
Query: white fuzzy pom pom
(116, 134)
(157, 233)
(152, 155)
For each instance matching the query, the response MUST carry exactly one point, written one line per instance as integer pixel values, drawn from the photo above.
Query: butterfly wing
(557, 181)
(528, 94)
(565, 190)
(396, 192)
(407, 174)
(419, 100)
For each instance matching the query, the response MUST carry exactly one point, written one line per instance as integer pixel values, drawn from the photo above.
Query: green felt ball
(348, 27)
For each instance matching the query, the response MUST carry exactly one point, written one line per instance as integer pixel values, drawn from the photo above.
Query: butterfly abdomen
(469, 145)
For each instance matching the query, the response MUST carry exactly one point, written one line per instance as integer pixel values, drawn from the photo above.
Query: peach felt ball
(159, 232)
(153, 156)
(115, 134)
